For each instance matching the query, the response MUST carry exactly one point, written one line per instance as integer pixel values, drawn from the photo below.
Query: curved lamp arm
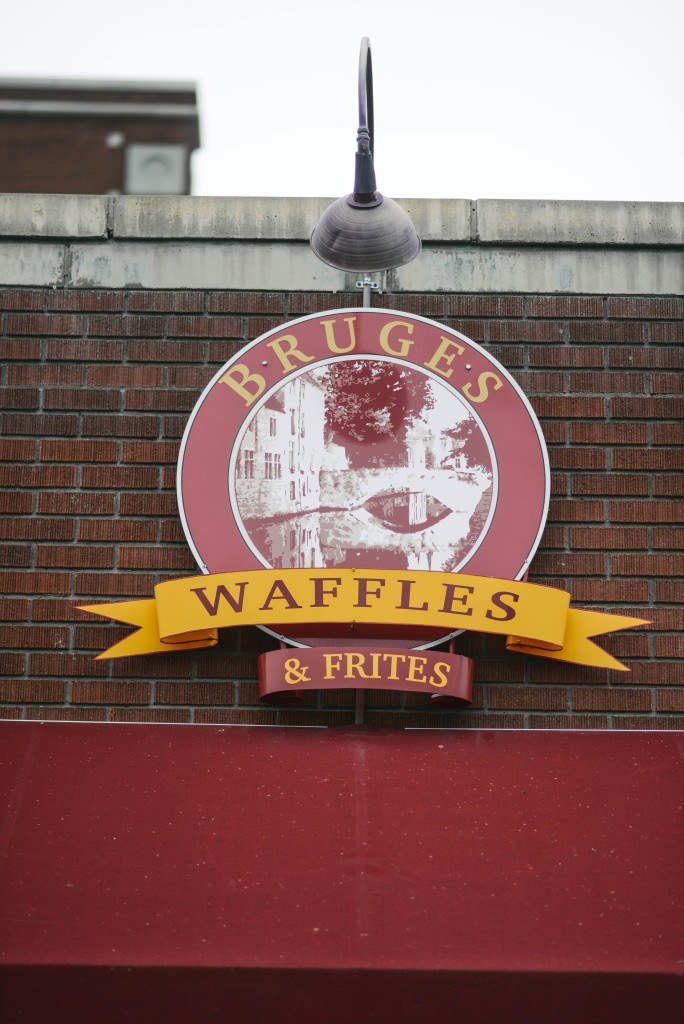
(364, 177)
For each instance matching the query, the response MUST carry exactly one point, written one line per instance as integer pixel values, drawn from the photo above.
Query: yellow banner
(186, 613)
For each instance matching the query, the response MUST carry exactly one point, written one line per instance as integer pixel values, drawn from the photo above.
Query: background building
(97, 137)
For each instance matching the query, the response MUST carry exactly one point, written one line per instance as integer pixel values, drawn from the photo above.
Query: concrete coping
(242, 218)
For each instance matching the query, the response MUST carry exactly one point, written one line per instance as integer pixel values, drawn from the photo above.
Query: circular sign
(369, 439)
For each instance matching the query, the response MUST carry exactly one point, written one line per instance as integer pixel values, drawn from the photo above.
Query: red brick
(565, 355)
(648, 458)
(37, 476)
(16, 502)
(670, 646)
(302, 303)
(65, 665)
(667, 334)
(54, 610)
(20, 349)
(126, 376)
(161, 399)
(81, 398)
(119, 425)
(152, 452)
(670, 700)
(15, 555)
(577, 458)
(635, 358)
(148, 505)
(117, 478)
(78, 451)
(44, 323)
(605, 383)
(40, 423)
(655, 673)
(647, 408)
(539, 382)
(9, 712)
(608, 433)
(568, 406)
(86, 301)
(614, 333)
(586, 511)
(19, 398)
(12, 664)
(45, 374)
(194, 693)
(666, 486)
(609, 538)
(668, 433)
(85, 350)
(528, 698)
(14, 450)
(126, 326)
(18, 298)
(568, 722)
(107, 692)
(37, 529)
(473, 329)
(555, 432)
(109, 584)
(74, 556)
(75, 503)
(114, 530)
(149, 715)
(156, 558)
(646, 309)
(97, 638)
(621, 591)
(196, 377)
(609, 699)
(53, 714)
(651, 722)
(208, 327)
(13, 609)
(647, 565)
(565, 306)
(166, 302)
(609, 484)
(166, 352)
(32, 691)
(172, 532)
(248, 302)
(174, 426)
(508, 355)
(569, 564)
(235, 716)
(526, 330)
(483, 305)
(647, 511)
(34, 637)
(669, 591)
(667, 383)
(668, 537)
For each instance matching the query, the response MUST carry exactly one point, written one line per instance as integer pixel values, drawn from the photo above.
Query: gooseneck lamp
(365, 231)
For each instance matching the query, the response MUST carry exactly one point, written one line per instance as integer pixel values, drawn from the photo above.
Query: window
(268, 466)
(272, 426)
(277, 466)
(249, 464)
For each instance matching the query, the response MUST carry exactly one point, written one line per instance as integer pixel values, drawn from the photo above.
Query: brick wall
(97, 388)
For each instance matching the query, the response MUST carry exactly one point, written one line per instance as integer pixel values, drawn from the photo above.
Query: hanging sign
(363, 477)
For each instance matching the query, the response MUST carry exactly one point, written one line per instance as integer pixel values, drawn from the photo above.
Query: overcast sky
(477, 99)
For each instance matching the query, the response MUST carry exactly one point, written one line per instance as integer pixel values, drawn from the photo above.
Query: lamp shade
(365, 236)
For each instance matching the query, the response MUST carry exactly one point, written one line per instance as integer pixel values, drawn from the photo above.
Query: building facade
(118, 311)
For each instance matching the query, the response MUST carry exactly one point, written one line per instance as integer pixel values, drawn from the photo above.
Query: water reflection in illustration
(364, 462)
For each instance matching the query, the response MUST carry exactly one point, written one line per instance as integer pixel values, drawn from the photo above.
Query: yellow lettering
(329, 325)
(483, 393)
(247, 385)
(442, 669)
(442, 353)
(285, 347)
(404, 343)
(332, 664)
(415, 672)
(355, 663)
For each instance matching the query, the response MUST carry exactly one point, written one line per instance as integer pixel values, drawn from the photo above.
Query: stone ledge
(25, 215)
